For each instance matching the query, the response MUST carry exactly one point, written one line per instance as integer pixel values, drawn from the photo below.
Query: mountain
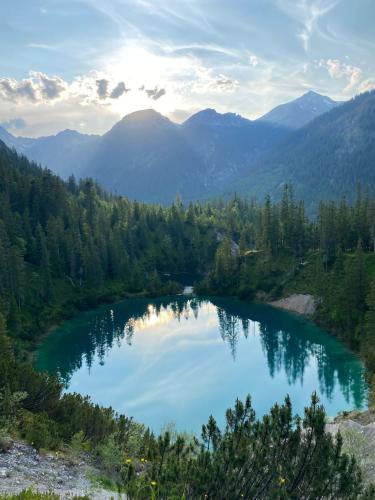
(210, 117)
(297, 113)
(326, 159)
(64, 153)
(228, 144)
(147, 157)
(19, 143)
(6, 137)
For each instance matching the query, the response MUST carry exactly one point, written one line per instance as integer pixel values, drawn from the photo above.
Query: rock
(305, 304)
(260, 295)
(4, 473)
(6, 444)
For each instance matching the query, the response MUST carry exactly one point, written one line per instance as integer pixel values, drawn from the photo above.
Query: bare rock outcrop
(300, 303)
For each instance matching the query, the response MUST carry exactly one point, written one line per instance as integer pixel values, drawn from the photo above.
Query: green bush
(40, 431)
(5, 441)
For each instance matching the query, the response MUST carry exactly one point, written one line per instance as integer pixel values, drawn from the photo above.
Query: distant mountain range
(64, 153)
(327, 159)
(320, 146)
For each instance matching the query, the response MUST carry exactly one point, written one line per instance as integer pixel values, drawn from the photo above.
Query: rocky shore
(22, 467)
(305, 304)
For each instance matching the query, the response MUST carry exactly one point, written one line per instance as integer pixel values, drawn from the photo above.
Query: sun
(143, 69)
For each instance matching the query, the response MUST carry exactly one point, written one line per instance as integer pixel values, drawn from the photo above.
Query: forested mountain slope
(325, 160)
(61, 243)
(67, 245)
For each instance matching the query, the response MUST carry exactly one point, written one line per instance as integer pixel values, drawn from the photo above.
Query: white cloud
(38, 87)
(366, 85)
(254, 61)
(307, 13)
(352, 74)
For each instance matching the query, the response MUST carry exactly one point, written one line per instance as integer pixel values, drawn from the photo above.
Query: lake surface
(179, 359)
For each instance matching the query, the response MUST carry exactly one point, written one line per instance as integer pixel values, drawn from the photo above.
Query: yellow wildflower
(128, 461)
(282, 481)
(154, 483)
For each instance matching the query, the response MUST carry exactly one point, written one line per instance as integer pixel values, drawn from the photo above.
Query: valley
(187, 250)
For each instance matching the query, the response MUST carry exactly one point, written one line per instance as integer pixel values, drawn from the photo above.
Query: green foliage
(10, 404)
(79, 444)
(40, 431)
(279, 456)
(67, 247)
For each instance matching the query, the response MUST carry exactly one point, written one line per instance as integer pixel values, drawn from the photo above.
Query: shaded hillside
(147, 157)
(327, 159)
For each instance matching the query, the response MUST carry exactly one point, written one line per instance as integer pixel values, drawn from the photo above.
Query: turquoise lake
(180, 359)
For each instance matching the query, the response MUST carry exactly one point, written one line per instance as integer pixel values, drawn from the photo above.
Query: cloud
(14, 124)
(315, 11)
(50, 87)
(102, 88)
(42, 46)
(119, 90)
(338, 69)
(12, 90)
(154, 93)
(307, 13)
(38, 87)
(367, 85)
(254, 61)
(224, 83)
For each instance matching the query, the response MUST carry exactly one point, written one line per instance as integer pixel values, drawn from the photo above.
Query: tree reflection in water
(289, 344)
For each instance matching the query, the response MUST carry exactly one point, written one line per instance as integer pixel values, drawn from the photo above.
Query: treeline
(275, 249)
(65, 243)
(69, 245)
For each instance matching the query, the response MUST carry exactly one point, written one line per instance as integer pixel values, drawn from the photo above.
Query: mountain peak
(300, 111)
(142, 119)
(143, 115)
(210, 116)
(68, 132)
(311, 93)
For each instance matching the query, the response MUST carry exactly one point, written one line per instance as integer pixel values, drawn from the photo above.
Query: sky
(84, 64)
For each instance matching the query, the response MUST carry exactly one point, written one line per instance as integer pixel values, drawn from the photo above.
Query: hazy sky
(83, 64)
